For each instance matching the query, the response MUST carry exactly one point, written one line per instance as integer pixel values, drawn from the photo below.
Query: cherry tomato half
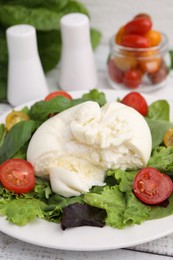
(17, 175)
(132, 78)
(151, 186)
(15, 117)
(168, 137)
(135, 41)
(137, 101)
(138, 26)
(57, 93)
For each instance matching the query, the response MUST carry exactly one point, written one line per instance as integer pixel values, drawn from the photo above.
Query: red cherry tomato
(115, 73)
(142, 15)
(17, 175)
(151, 186)
(135, 41)
(138, 26)
(132, 78)
(137, 101)
(57, 93)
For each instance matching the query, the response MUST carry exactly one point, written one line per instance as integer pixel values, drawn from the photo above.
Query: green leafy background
(45, 17)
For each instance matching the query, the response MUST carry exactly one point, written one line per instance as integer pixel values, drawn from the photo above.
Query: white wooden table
(11, 248)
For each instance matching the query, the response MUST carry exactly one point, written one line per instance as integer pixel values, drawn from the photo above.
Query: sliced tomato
(151, 186)
(17, 175)
(137, 101)
(57, 93)
(15, 117)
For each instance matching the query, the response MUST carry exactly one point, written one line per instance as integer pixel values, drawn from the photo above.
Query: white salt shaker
(77, 65)
(26, 79)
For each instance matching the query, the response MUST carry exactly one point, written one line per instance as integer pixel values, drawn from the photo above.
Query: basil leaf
(41, 110)
(16, 138)
(2, 133)
(159, 110)
(158, 129)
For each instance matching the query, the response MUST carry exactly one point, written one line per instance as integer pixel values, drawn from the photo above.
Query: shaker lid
(75, 30)
(21, 41)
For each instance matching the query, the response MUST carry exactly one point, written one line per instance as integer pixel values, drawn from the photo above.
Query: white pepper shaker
(77, 65)
(26, 79)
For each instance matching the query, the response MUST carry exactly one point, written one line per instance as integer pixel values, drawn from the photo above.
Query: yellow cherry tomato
(154, 37)
(15, 117)
(168, 137)
(150, 61)
(126, 60)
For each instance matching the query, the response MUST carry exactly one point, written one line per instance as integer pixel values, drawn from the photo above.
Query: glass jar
(143, 69)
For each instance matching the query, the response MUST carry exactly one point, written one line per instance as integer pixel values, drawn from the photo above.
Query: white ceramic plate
(50, 235)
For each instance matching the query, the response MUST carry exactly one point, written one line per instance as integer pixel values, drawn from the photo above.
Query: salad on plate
(87, 161)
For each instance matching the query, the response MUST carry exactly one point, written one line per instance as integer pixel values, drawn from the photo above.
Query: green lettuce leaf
(123, 178)
(21, 211)
(161, 212)
(136, 212)
(113, 201)
(55, 204)
(162, 159)
(42, 190)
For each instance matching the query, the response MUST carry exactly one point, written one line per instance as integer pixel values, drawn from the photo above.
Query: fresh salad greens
(45, 17)
(113, 204)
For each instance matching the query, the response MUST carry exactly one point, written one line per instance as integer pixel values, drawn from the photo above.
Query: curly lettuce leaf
(55, 205)
(162, 159)
(161, 212)
(21, 211)
(136, 212)
(113, 201)
(123, 178)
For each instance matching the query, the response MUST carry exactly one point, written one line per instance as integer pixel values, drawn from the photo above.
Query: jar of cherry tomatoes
(134, 63)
